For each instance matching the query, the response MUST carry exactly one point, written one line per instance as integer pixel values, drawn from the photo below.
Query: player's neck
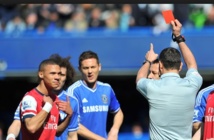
(42, 89)
(90, 85)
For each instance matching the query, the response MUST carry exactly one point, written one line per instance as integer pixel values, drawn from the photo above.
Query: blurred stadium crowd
(20, 18)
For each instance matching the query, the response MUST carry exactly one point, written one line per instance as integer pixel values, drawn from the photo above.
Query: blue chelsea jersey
(94, 105)
(74, 122)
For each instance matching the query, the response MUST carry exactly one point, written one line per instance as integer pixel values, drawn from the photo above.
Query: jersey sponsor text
(95, 108)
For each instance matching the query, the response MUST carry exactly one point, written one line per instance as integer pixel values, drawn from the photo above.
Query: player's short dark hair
(46, 62)
(87, 55)
(170, 58)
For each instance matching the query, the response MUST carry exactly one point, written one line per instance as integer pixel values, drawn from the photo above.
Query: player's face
(63, 78)
(51, 76)
(90, 70)
(154, 71)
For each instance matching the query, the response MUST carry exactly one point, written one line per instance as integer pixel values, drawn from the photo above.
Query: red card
(168, 16)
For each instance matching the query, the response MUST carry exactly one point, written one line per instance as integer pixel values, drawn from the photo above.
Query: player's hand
(47, 99)
(176, 27)
(65, 106)
(151, 55)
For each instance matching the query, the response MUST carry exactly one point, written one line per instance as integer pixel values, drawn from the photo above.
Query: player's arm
(72, 135)
(66, 107)
(195, 127)
(74, 121)
(34, 121)
(199, 111)
(84, 132)
(117, 122)
(144, 70)
(13, 130)
(186, 52)
(62, 126)
(198, 135)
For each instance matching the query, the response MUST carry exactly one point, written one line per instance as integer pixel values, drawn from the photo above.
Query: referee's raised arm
(185, 51)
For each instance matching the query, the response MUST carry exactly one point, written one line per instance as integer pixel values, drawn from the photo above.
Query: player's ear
(160, 65)
(181, 65)
(41, 75)
(100, 67)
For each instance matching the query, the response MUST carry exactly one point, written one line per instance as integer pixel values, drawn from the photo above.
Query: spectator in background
(181, 12)
(1, 27)
(199, 14)
(210, 16)
(87, 8)
(126, 19)
(2, 137)
(54, 22)
(25, 9)
(157, 18)
(31, 21)
(142, 16)
(77, 22)
(16, 26)
(95, 18)
(111, 19)
(137, 131)
(43, 16)
(65, 11)
(7, 12)
(110, 7)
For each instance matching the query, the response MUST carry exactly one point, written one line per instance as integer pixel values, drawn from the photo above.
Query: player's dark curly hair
(65, 62)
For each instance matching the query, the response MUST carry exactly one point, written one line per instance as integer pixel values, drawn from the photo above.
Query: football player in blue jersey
(96, 99)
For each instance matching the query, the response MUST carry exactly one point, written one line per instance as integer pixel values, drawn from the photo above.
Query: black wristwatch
(178, 39)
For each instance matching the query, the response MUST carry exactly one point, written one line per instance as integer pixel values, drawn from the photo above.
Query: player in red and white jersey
(39, 107)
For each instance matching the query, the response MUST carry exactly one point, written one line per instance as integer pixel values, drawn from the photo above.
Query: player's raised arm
(150, 57)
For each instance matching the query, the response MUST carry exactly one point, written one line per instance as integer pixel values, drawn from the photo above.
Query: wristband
(178, 39)
(147, 61)
(11, 135)
(47, 107)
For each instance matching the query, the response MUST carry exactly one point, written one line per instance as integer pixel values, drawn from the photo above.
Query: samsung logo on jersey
(96, 108)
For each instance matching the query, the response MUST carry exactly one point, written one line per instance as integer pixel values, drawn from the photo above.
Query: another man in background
(154, 72)
(96, 99)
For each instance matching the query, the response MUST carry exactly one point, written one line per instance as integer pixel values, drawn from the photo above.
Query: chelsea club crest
(104, 99)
